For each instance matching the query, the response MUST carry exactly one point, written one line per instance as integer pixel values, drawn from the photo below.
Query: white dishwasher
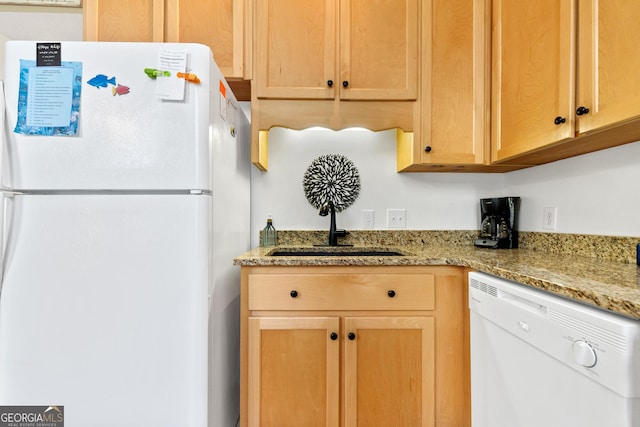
(539, 360)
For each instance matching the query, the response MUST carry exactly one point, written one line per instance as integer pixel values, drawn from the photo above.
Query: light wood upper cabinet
(346, 49)
(533, 75)
(335, 64)
(455, 83)
(295, 48)
(123, 20)
(454, 130)
(608, 62)
(379, 49)
(564, 78)
(218, 24)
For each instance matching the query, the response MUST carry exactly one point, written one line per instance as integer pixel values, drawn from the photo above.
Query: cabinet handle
(294, 294)
(427, 148)
(351, 336)
(391, 293)
(345, 83)
(559, 120)
(581, 111)
(333, 336)
(330, 83)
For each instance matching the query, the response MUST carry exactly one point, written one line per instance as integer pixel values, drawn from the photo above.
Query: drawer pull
(333, 336)
(351, 336)
(391, 293)
(293, 293)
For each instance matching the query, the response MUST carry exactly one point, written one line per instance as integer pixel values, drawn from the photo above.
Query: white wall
(51, 24)
(435, 201)
(593, 193)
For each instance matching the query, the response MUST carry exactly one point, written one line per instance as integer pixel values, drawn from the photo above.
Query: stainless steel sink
(337, 251)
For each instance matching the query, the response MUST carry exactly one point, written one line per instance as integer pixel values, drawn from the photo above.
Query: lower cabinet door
(389, 371)
(294, 371)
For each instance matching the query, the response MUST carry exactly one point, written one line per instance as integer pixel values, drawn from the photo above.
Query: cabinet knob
(427, 148)
(330, 83)
(391, 293)
(333, 336)
(351, 336)
(345, 83)
(581, 111)
(293, 293)
(559, 120)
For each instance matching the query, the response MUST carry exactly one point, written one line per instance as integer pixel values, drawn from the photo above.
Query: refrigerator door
(124, 141)
(104, 308)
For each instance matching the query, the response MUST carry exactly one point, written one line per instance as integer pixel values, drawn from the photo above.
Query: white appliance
(540, 360)
(119, 298)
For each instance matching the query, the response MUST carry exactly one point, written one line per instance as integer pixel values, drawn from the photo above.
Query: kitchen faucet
(325, 209)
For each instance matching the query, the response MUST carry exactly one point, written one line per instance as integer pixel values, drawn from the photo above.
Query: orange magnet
(189, 77)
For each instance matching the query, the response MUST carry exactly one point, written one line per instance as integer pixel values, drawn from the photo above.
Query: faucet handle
(341, 233)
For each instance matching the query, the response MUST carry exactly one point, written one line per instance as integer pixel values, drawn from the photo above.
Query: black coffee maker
(499, 222)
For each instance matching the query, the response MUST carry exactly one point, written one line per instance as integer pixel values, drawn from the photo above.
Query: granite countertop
(605, 283)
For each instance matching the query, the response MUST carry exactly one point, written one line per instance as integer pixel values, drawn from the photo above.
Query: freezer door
(104, 308)
(124, 141)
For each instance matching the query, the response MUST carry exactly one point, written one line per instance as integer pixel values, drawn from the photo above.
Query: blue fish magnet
(101, 80)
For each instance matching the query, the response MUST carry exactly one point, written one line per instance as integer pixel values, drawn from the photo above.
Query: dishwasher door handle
(523, 303)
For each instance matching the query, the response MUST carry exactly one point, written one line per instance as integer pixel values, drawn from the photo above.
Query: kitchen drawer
(341, 291)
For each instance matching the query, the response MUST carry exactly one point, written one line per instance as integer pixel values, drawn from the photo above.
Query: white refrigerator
(119, 301)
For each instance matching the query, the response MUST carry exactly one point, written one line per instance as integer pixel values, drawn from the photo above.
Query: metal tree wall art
(332, 177)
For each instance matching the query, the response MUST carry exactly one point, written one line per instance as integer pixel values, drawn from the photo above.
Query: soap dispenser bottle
(269, 236)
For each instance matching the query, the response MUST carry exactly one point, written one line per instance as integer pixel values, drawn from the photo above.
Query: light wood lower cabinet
(354, 346)
(294, 371)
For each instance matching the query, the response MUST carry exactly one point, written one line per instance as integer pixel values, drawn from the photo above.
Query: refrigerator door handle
(5, 226)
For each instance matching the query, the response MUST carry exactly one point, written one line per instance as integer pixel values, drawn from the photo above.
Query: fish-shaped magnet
(120, 90)
(101, 80)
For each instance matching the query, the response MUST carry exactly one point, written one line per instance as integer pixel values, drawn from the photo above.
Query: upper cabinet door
(379, 49)
(608, 83)
(124, 20)
(295, 48)
(455, 49)
(217, 24)
(297, 41)
(533, 73)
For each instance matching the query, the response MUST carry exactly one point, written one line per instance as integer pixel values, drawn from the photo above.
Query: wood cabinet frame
(449, 318)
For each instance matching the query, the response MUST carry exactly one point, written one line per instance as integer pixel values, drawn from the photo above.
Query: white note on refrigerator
(171, 87)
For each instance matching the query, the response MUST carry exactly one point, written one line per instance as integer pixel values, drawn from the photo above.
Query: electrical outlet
(367, 219)
(396, 218)
(549, 218)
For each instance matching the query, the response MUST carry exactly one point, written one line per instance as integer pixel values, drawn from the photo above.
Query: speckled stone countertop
(595, 270)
